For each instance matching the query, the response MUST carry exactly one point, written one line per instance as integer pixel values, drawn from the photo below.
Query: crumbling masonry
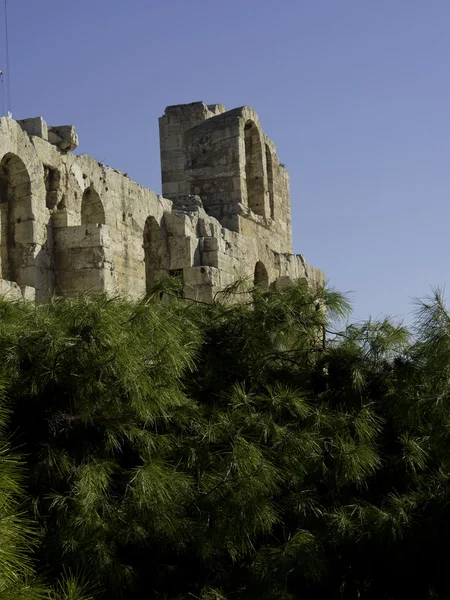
(70, 224)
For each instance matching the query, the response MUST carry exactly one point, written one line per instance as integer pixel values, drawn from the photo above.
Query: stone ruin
(70, 224)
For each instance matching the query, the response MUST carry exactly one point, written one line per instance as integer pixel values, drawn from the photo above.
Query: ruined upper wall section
(225, 158)
(69, 224)
(63, 136)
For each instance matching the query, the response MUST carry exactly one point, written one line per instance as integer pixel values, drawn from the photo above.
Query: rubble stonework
(70, 224)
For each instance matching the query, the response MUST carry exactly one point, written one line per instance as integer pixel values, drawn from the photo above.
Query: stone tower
(225, 158)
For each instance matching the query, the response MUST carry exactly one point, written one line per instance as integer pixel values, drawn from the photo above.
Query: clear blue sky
(355, 94)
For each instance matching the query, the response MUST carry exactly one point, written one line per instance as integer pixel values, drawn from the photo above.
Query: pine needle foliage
(18, 534)
(251, 448)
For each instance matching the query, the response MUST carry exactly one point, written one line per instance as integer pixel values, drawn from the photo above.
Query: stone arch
(92, 211)
(261, 277)
(254, 169)
(156, 250)
(269, 170)
(17, 235)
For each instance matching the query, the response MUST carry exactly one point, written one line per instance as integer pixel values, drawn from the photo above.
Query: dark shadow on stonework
(52, 179)
(254, 170)
(269, 169)
(156, 251)
(261, 277)
(17, 223)
(92, 211)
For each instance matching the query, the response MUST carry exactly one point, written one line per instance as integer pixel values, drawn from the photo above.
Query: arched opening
(254, 172)
(92, 211)
(269, 169)
(156, 250)
(17, 242)
(261, 278)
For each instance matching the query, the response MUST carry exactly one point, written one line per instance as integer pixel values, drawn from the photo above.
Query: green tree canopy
(247, 449)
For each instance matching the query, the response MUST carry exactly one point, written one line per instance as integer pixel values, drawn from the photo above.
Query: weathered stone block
(28, 293)
(210, 244)
(63, 136)
(24, 232)
(35, 126)
(181, 251)
(10, 290)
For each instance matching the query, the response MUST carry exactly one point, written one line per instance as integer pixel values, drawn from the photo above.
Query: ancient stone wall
(69, 224)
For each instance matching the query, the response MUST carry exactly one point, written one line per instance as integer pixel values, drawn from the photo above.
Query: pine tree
(17, 532)
(247, 449)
